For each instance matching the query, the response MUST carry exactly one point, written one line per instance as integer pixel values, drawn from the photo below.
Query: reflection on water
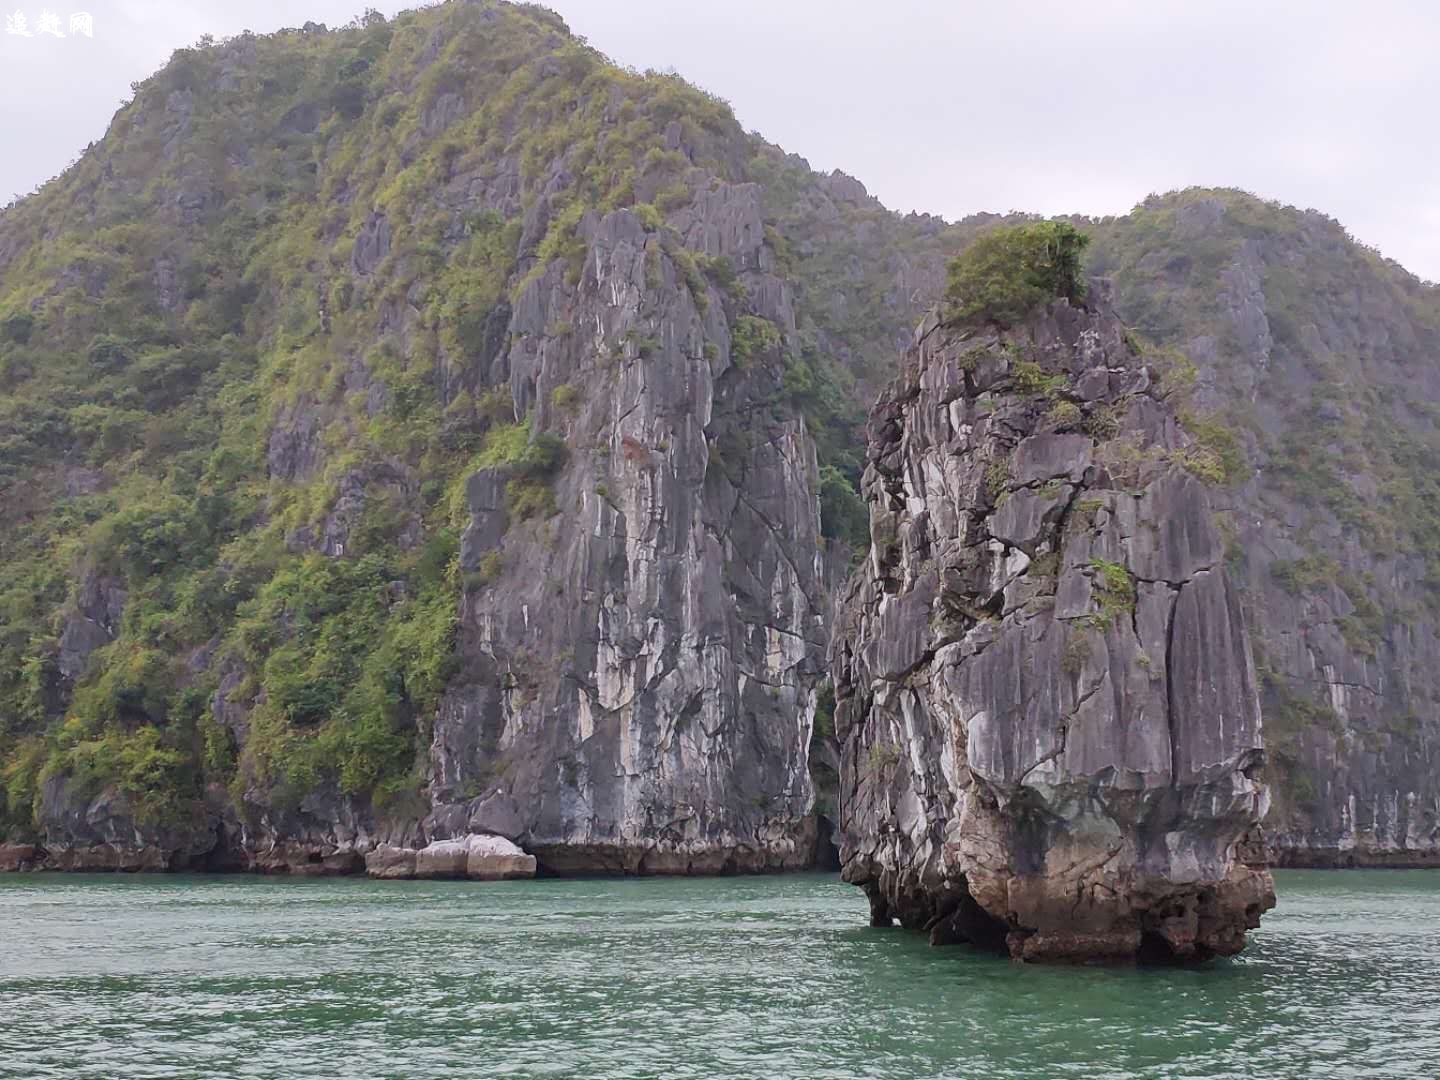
(738, 977)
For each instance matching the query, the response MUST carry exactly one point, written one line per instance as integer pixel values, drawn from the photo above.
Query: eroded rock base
(574, 860)
(1146, 921)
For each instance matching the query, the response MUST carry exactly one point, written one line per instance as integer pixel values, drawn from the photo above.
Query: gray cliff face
(638, 669)
(1321, 357)
(639, 678)
(1046, 700)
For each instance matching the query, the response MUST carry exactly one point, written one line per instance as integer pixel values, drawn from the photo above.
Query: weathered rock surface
(1046, 699)
(104, 833)
(477, 857)
(19, 857)
(1322, 360)
(639, 681)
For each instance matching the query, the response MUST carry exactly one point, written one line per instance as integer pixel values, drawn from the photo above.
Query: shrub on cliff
(843, 513)
(1010, 271)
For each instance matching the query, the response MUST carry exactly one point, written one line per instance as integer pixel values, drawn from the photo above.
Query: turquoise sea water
(204, 977)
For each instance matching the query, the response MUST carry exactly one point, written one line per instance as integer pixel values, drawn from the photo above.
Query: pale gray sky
(947, 106)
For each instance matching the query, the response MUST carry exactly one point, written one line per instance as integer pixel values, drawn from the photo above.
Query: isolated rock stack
(1046, 697)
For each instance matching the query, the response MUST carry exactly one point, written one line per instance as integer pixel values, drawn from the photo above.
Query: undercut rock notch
(1046, 698)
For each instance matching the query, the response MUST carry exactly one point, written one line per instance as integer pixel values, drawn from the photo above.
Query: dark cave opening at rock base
(1155, 951)
(967, 923)
(827, 853)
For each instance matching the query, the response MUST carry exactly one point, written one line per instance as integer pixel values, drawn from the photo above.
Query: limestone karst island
(504, 570)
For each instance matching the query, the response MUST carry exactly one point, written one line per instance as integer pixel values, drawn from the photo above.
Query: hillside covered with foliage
(285, 275)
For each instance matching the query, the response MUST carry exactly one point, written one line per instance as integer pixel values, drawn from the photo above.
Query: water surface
(207, 977)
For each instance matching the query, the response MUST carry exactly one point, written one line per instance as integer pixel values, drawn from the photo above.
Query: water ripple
(196, 977)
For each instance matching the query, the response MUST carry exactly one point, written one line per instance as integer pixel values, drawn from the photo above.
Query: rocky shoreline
(477, 856)
(1340, 859)
(32, 858)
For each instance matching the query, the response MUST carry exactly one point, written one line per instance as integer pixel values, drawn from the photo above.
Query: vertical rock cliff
(1046, 699)
(1320, 358)
(638, 680)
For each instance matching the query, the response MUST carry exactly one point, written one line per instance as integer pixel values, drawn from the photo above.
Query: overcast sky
(947, 106)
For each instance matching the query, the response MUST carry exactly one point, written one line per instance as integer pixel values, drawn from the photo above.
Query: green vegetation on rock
(1114, 590)
(1011, 270)
(843, 514)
